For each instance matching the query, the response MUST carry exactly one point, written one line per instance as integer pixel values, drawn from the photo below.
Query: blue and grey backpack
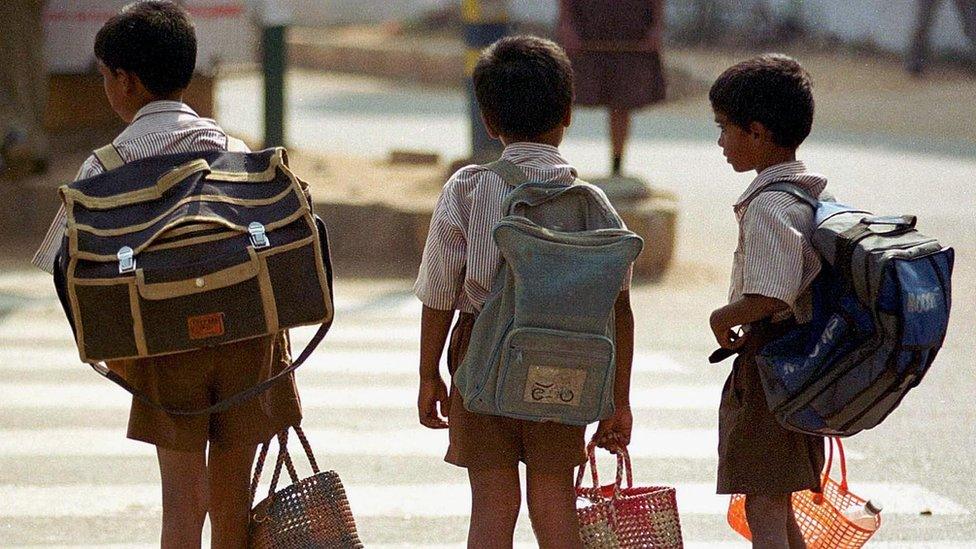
(880, 312)
(542, 348)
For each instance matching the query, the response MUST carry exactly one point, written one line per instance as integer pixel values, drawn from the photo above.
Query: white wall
(887, 23)
(225, 29)
(224, 32)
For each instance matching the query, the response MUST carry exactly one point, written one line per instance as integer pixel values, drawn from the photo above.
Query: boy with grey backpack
(537, 264)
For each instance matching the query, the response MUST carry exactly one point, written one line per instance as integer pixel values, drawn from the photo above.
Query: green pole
(274, 52)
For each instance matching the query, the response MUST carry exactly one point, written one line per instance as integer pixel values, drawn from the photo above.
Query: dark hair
(771, 89)
(524, 85)
(153, 39)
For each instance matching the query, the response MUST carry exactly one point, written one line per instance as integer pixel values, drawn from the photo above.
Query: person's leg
(767, 518)
(793, 532)
(924, 17)
(552, 508)
(184, 480)
(619, 132)
(230, 498)
(495, 502)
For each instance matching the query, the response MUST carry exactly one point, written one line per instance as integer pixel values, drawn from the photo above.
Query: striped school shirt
(775, 257)
(460, 258)
(161, 127)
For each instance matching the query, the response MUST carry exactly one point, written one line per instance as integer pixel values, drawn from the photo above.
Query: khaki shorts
(480, 441)
(198, 379)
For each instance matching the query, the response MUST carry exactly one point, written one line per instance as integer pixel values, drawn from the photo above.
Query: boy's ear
(757, 130)
(489, 127)
(131, 83)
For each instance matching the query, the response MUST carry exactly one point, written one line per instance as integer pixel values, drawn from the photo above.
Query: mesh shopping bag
(614, 517)
(311, 512)
(820, 516)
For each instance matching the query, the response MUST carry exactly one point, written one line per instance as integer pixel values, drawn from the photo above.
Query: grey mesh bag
(542, 348)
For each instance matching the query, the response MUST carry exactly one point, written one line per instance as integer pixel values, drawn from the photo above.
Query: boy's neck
(148, 99)
(775, 156)
(552, 137)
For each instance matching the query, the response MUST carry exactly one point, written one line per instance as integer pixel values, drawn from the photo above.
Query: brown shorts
(479, 441)
(198, 379)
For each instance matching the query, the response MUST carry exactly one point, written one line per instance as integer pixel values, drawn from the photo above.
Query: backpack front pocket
(551, 375)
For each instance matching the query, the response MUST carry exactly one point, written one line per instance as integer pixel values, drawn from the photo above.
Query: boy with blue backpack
(764, 108)
(524, 87)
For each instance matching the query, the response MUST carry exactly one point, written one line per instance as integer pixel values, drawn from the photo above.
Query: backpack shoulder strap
(508, 171)
(794, 190)
(109, 157)
(236, 145)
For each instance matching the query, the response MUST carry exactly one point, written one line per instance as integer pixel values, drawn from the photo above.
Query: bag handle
(818, 498)
(899, 223)
(623, 465)
(284, 458)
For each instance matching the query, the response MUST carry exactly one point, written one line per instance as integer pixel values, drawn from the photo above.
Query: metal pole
(485, 21)
(274, 52)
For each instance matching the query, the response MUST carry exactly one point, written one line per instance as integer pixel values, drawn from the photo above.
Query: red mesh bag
(614, 517)
(820, 516)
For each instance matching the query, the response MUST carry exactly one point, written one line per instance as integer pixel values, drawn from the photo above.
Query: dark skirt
(756, 455)
(625, 80)
(612, 67)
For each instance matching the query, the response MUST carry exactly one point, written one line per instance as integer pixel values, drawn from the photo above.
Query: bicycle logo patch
(547, 385)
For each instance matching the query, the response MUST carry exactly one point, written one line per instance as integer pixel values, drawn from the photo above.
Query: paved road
(68, 476)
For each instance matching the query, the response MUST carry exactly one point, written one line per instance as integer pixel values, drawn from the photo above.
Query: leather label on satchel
(547, 385)
(204, 326)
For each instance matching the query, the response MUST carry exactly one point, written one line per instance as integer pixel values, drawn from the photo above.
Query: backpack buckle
(127, 260)
(259, 238)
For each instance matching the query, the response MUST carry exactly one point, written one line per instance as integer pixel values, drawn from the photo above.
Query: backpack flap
(577, 207)
(557, 362)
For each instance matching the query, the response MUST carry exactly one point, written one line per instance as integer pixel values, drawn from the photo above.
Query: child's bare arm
(615, 431)
(434, 327)
(746, 310)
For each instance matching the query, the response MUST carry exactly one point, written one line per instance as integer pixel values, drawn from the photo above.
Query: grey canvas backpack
(542, 348)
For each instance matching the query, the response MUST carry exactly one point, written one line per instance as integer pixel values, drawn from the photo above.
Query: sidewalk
(857, 93)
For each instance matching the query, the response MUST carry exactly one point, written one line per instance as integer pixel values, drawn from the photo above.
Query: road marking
(344, 361)
(413, 501)
(101, 395)
(947, 544)
(409, 441)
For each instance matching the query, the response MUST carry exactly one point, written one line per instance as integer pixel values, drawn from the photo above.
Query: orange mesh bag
(614, 517)
(820, 516)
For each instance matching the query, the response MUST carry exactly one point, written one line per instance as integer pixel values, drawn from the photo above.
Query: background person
(615, 48)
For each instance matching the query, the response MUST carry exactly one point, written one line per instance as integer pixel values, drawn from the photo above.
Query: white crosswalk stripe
(432, 501)
(363, 380)
(99, 395)
(328, 358)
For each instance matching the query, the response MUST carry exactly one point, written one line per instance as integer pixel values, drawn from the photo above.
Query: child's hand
(614, 433)
(724, 335)
(433, 392)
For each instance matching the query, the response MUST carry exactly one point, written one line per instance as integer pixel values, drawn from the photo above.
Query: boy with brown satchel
(146, 55)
